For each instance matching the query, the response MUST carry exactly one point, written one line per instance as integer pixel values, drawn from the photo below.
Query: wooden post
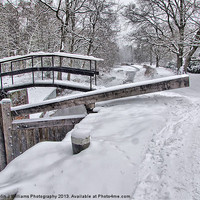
(3, 161)
(80, 142)
(6, 128)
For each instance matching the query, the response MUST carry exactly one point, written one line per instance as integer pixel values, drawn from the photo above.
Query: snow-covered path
(171, 168)
(145, 147)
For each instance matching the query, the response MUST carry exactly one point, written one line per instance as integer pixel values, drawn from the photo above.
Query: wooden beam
(3, 161)
(6, 128)
(46, 122)
(115, 92)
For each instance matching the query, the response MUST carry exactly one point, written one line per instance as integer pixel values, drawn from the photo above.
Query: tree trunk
(181, 28)
(72, 42)
(188, 58)
(62, 47)
(151, 56)
(179, 62)
(192, 51)
(157, 61)
(59, 76)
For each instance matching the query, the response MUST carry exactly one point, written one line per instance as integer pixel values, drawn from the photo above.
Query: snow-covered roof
(61, 54)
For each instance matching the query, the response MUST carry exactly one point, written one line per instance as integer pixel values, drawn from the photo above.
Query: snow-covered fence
(20, 135)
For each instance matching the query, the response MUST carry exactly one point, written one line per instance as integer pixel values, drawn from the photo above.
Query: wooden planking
(46, 122)
(104, 95)
(26, 133)
(16, 141)
(23, 139)
(23, 143)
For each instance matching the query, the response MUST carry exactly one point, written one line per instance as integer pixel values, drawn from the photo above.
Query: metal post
(59, 76)
(33, 71)
(42, 67)
(1, 78)
(11, 71)
(90, 76)
(95, 76)
(53, 66)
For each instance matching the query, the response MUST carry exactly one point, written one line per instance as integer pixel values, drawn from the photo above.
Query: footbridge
(41, 69)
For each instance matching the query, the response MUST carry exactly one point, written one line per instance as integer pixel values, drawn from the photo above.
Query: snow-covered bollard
(80, 141)
(90, 107)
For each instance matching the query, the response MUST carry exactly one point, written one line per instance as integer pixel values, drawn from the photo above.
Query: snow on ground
(128, 74)
(39, 94)
(144, 147)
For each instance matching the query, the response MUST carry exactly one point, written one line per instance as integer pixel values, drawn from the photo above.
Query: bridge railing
(40, 66)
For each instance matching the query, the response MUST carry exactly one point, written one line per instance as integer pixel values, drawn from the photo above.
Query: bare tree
(193, 48)
(65, 12)
(165, 23)
(83, 26)
(98, 29)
